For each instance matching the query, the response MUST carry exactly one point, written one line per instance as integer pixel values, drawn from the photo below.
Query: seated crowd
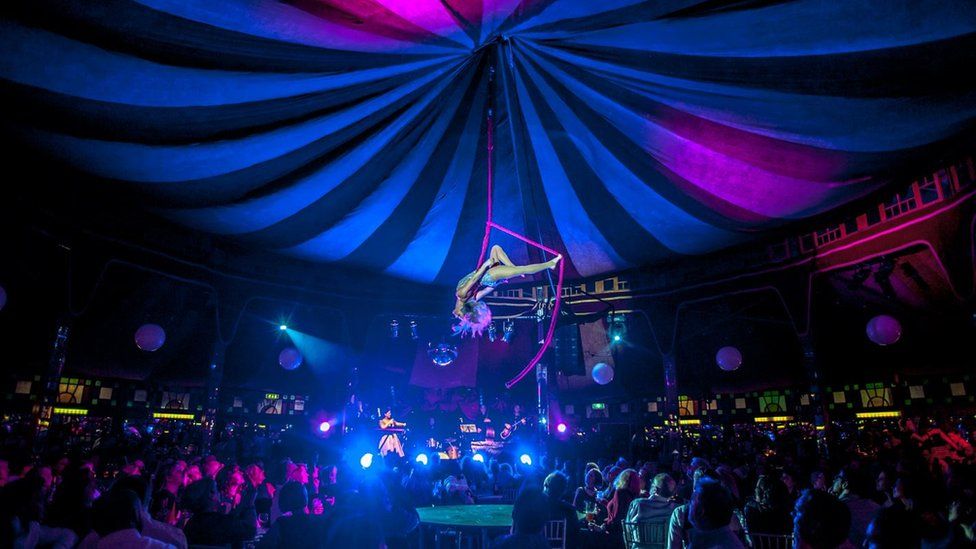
(903, 487)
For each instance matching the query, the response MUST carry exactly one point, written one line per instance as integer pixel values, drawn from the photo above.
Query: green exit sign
(598, 406)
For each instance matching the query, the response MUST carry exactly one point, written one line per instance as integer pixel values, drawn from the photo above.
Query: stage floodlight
(421, 459)
(479, 458)
(525, 459)
(366, 461)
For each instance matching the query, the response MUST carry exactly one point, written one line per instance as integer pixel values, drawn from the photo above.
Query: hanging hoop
(489, 224)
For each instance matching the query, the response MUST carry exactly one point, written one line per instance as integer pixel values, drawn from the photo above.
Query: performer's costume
(486, 282)
(390, 442)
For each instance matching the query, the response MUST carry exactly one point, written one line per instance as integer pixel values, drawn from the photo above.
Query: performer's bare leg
(504, 272)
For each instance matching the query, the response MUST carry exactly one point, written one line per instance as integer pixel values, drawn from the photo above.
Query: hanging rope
(489, 224)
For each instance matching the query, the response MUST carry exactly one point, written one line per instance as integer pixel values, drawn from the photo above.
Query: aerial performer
(473, 313)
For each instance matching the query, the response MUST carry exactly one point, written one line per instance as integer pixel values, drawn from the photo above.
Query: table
(476, 518)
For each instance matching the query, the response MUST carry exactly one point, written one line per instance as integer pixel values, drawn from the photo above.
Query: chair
(508, 495)
(769, 541)
(556, 533)
(646, 534)
(455, 537)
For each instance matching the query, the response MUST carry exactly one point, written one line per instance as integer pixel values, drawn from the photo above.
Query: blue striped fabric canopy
(354, 131)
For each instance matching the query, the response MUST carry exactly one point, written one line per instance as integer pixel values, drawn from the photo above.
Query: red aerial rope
(484, 248)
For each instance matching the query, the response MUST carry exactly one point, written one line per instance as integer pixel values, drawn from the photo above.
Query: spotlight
(443, 354)
(508, 328)
(394, 329)
(479, 458)
(283, 327)
(617, 328)
(421, 459)
(561, 427)
(413, 329)
(525, 459)
(366, 461)
(325, 426)
(492, 332)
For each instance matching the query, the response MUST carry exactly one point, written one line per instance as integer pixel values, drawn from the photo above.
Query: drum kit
(447, 449)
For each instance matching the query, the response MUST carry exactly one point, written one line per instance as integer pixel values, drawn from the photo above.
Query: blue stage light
(479, 458)
(422, 459)
(525, 459)
(325, 426)
(366, 461)
(283, 327)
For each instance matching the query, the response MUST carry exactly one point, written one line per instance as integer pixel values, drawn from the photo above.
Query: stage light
(366, 461)
(617, 329)
(561, 427)
(492, 332)
(508, 328)
(422, 459)
(525, 459)
(324, 427)
(413, 329)
(283, 327)
(479, 458)
(394, 329)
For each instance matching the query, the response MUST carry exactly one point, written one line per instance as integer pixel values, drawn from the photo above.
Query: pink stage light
(561, 427)
(325, 426)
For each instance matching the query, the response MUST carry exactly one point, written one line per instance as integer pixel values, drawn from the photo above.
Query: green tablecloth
(467, 516)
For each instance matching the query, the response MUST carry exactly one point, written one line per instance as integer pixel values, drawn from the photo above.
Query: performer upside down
(473, 313)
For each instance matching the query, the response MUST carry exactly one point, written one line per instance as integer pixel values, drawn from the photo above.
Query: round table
(476, 518)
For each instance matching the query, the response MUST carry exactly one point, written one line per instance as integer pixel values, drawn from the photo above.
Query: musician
(390, 442)
(487, 429)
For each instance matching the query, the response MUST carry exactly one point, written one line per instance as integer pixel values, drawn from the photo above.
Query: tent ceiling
(354, 131)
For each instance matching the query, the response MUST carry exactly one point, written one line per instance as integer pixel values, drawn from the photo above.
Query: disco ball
(442, 354)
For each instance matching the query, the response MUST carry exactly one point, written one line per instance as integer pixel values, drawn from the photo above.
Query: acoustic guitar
(510, 428)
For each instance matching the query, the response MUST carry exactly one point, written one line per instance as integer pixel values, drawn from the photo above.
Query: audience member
(710, 514)
(208, 526)
(769, 510)
(820, 521)
(850, 488)
(554, 487)
(529, 515)
(117, 520)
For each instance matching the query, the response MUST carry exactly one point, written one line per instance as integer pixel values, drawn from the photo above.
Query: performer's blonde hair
(475, 317)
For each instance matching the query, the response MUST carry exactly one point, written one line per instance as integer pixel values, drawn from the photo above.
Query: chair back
(508, 495)
(556, 533)
(646, 534)
(769, 541)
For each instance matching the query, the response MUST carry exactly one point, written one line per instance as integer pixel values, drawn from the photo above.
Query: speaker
(566, 351)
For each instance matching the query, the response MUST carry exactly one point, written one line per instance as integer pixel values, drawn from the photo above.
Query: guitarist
(517, 421)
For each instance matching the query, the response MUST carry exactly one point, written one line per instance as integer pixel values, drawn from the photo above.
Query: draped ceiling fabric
(354, 131)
